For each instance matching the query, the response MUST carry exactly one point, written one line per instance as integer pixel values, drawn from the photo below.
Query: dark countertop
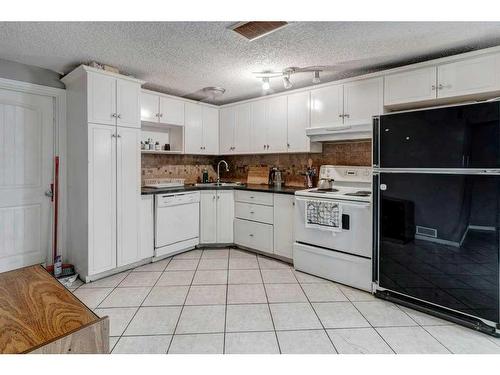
(263, 188)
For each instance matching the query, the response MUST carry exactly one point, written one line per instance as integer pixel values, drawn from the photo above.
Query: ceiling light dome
(316, 78)
(286, 82)
(265, 84)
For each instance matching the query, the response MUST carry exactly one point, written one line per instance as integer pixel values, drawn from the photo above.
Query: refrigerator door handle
(375, 142)
(375, 225)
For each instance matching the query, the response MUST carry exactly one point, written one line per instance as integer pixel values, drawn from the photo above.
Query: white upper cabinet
(113, 101)
(298, 122)
(128, 104)
(259, 126)
(410, 87)
(171, 111)
(101, 99)
(470, 76)
(327, 106)
(201, 130)
(227, 128)
(235, 129)
(277, 124)
(149, 107)
(242, 129)
(210, 130)
(362, 100)
(193, 132)
(161, 109)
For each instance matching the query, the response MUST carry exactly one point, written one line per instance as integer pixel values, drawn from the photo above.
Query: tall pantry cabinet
(104, 166)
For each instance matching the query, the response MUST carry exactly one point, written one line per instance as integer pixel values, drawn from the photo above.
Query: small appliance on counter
(275, 177)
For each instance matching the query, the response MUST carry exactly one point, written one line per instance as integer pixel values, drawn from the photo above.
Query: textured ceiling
(180, 58)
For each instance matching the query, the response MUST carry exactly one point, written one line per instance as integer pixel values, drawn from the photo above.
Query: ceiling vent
(257, 29)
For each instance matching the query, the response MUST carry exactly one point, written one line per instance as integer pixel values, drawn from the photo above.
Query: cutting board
(258, 175)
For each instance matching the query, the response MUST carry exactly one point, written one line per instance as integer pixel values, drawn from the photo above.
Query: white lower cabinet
(252, 234)
(283, 225)
(146, 248)
(216, 216)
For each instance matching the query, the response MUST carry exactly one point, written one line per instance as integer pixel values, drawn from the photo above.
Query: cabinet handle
(113, 115)
(113, 135)
(252, 212)
(440, 86)
(118, 136)
(433, 87)
(341, 115)
(119, 115)
(160, 115)
(264, 147)
(251, 235)
(288, 145)
(213, 197)
(347, 115)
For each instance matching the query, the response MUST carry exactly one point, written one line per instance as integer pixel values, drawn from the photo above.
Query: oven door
(355, 236)
(439, 239)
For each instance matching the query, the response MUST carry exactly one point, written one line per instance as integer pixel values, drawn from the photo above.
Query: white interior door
(26, 152)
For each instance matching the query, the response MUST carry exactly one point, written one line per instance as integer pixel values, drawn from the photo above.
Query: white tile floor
(232, 301)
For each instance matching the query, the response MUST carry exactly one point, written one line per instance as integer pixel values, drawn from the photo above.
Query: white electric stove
(344, 253)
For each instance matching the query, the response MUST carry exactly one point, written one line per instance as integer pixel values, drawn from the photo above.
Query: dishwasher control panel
(173, 199)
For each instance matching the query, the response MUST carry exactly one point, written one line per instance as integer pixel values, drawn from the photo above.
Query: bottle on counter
(157, 146)
(204, 178)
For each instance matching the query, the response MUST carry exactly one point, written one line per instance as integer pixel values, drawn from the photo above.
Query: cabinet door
(363, 100)
(259, 126)
(210, 137)
(102, 198)
(147, 227)
(471, 76)
(225, 216)
(171, 111)
(208, 217)
(298, 121)
(277, 124)
(128, 103)
(193, 133)
(150, 107)
(101, 99)
(226, 130)
(283, 224)
(327, 106)
(128, 195)
(242, 131)
(410, 86)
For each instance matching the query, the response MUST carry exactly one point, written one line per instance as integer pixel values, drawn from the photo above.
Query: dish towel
(323, 215)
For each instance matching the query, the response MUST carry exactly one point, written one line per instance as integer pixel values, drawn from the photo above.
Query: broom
(66, 269)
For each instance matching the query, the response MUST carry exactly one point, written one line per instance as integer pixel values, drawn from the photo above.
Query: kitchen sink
(216, 184)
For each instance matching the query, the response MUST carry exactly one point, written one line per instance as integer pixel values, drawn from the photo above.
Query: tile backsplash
(190, 167)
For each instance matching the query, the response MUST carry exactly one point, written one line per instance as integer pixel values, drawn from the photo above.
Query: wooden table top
(36, 309)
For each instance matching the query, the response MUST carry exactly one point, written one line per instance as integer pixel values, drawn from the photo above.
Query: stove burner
(360, 193)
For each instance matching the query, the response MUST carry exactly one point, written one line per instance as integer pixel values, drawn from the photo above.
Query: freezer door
(439, 239)
(466, 136)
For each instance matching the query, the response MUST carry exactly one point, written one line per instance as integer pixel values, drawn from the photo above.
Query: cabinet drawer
(254, 212)
(253, 235)
(253, 197)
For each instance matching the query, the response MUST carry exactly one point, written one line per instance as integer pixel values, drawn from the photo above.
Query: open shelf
(164, 134)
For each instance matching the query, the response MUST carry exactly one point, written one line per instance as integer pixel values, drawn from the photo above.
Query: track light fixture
(316, 78)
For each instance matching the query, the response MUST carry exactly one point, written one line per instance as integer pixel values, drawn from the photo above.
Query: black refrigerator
(436, 211)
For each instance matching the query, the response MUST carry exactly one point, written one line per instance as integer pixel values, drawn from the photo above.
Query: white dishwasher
(177, 222)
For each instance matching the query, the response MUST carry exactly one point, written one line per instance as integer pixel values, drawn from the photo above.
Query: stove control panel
(345, 173)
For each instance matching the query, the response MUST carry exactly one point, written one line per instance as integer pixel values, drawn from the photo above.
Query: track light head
(265, 84)
(316, 78)
(286, 82)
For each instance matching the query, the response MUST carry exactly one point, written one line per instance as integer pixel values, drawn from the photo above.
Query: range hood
(340, 132)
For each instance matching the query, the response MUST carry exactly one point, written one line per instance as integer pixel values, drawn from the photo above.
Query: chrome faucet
(218, 169)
